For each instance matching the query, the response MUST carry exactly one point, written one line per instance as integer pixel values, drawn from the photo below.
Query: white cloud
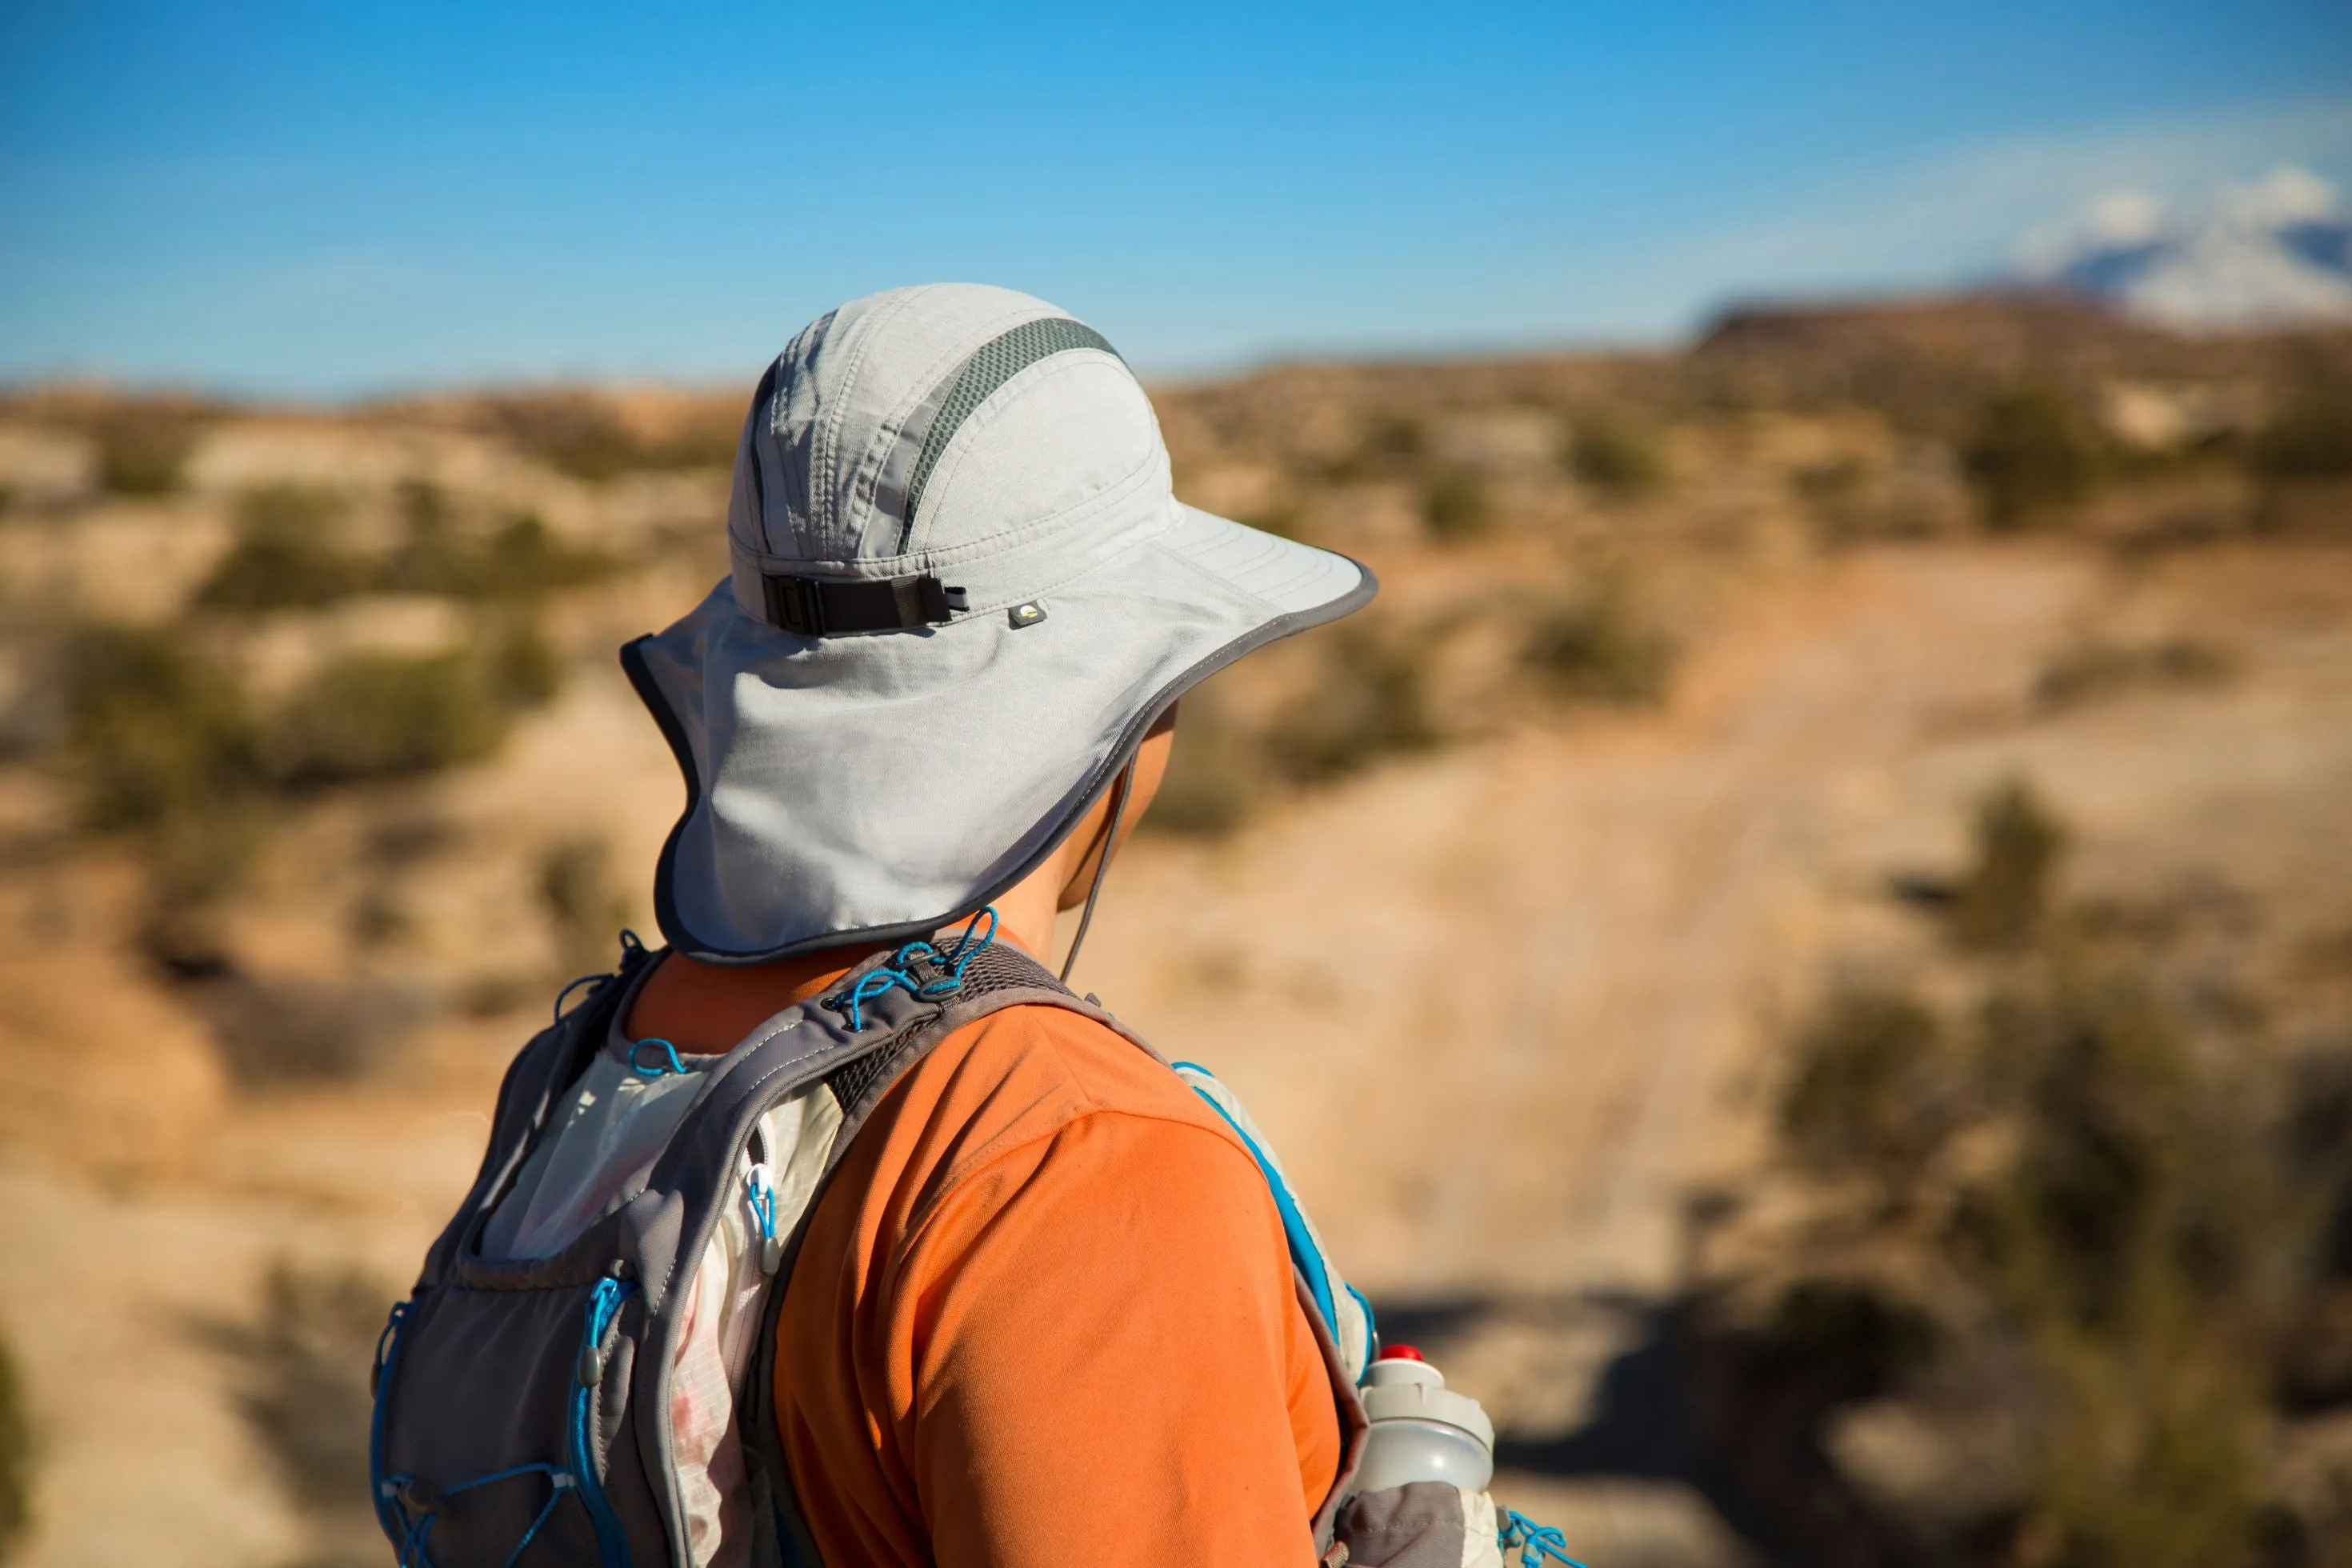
(1957, 216)
(2118, 219)
(2288, 194)
(2222, 261)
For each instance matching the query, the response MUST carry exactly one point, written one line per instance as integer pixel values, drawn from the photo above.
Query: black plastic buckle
(828, 606)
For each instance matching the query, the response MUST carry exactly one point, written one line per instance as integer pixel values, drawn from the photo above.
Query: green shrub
(583, 906)
(2148, 1457)
(274, 1032)
(2018, 843)
(1370, 704)
(2100, 1078)
(524, 556)
(1455, 507)
(154, 730)
(2093, 670)
(284, 557)
(432, 559)
(1874, 1091)
(17, 1457)
(1850, 1334)
(2032, 452)
(1591, 646)
(2310, 436)
(2127, 1242)
(521, 559)
(1388, 445)
(376, 715)
(306, 1362)
(142, 449)
(1215, 773)
(524, 669)
(1395, 438)
(585, 435)
(2136, 1232)
(577, 432)
(1830, 484)
(1615, 458)
(423, 504)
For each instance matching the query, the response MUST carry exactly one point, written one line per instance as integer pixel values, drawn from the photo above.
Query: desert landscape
(1802, 948)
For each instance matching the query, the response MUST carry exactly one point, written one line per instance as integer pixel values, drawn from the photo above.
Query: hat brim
(857, 790)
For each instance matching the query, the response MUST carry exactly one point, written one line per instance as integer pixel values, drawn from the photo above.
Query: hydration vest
(584, 1370)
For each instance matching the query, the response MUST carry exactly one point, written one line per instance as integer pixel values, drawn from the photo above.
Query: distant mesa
(2276, 252)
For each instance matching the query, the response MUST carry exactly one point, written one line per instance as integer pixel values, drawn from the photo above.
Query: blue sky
(323, 198)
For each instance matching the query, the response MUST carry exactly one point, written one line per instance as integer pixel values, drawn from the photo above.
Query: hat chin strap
(1123, 784)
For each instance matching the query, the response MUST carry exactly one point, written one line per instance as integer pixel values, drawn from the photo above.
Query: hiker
(838, 1231)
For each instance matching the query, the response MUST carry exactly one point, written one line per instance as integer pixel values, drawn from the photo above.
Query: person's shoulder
(1023, 1074)
(1074, 1063)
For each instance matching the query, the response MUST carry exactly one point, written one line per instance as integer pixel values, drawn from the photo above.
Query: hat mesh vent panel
(995, 363)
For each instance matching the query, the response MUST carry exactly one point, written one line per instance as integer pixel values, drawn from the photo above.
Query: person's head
(963, 604)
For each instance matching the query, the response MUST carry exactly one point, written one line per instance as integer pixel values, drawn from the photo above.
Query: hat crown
(960, 591)
(926, 427)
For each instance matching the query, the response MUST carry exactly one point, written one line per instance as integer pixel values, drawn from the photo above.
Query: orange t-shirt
(1043, 1315)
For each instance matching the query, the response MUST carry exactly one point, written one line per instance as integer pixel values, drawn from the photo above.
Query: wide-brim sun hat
(963, 590)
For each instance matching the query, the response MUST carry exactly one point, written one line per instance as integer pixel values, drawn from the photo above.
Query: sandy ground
(1501, 1008)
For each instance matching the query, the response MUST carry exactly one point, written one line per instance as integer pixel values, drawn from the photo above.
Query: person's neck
(1025, 913)
(704, 1009)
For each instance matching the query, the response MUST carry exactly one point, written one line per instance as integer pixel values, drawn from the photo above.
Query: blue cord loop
(633, 947)
(391, 1323)
(658, 1068)
(387, 1353)
(895, 975)
(763, 1203)
(404, 1493)
(1535, 1543)
(565, 994)
(409, 1510)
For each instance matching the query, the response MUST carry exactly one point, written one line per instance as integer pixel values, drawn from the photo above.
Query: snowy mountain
(2275, 253)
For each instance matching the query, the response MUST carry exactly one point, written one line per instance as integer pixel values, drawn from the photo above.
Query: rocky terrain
(1672, 937)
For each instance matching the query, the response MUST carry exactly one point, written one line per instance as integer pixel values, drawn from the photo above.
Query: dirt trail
(1498, 1004)
(1498, 1008)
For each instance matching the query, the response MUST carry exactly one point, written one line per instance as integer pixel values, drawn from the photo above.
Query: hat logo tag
(1027, 612)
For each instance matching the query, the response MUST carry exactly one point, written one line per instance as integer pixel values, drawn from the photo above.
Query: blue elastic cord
(892, 975)
(387, 1349)
(562, 1483)
(413, 1536)
(563, 1477)
(763, 1209)
(658, 1068)
(1536, 1543)
(611, 1542)
(631, 946)
(567, 991)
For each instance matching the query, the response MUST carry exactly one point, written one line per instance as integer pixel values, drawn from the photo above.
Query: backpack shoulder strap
(999, 976)
(994, 978)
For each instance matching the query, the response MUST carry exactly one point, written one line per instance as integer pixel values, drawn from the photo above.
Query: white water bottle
(1421, 1430)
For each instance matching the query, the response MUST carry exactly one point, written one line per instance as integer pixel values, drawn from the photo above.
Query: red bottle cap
(1401, 1352)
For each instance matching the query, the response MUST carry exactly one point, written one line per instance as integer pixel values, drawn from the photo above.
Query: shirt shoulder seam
(1013, 1140)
